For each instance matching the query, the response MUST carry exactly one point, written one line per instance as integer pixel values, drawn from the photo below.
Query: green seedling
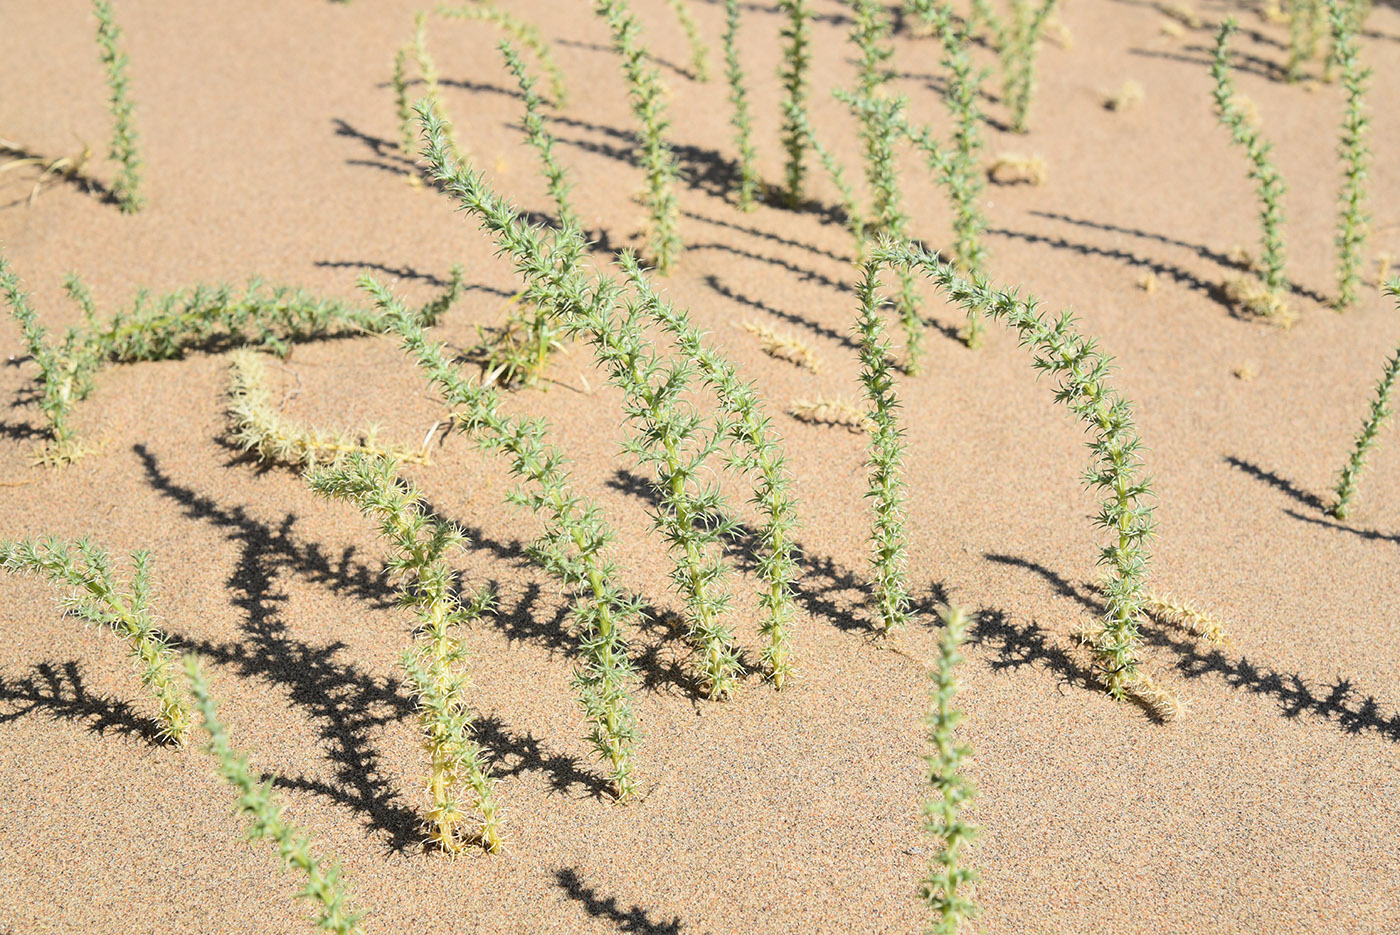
(749, 183)
(1266, 299)
(646, 94)
(797, 61)
(1017, 40)
(944, 890)
(1355, 154)
(1370, 427)
(699, 52)
(95, 595)
(127, 187)
(324, 888)
(460, 785)
(524, 33)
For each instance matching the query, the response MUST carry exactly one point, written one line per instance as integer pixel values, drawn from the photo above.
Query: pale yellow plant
(784, 346)
(822, 411)
(1016, 168)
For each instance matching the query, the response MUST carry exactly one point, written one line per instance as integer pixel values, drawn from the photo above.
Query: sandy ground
(269, 135)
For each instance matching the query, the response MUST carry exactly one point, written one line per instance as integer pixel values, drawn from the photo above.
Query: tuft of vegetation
(1370, 428)
(258, 426)
(749, 183)
(797, 61)
(127, 186)
(944, 890)
(1017, 168)
(324, 888)
(1018, 41)
(463, 794)
(1355, 154)
(95, 595)
(784, 346)
(699, 52)
(1267, 302)
(647, 96)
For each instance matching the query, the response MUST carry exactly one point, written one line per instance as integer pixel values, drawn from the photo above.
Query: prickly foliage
(573, 546)
(1081, 370)
(739, 99)
(403, 108)
(324, 888)
(944, 889)
(870, 33)
(647, 96)
(886, 486)
(699, 52)
(541, 140)
(95, 595)
(1018, 52)
(797, 61)
(1370, 428)
(460, 785)
(525, 33)
(850, 207)
(122, 148)
(1354, 153)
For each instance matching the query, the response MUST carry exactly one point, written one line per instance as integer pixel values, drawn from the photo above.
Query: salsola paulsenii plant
(574, 545)
(259, 427)
(1355, 155)
(797, 61)
(127, 186)
(1267, 299)
(1370, 428)
(739, 99)
(699, 52)
(539, 137)
(1081, 369)
(647, 96)
(259, 804)
(1017, 40)
(522, 32)
(944, 890)
(95, 595)
(886, 455)
(459, 782)
(1305, 26)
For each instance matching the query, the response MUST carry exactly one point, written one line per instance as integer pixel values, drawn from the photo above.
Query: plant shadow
(634, 920)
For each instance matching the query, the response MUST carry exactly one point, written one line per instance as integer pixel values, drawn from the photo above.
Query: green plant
(428, 74)
(1017, 41)
(1059, 349)
(97, 597)
(127, 187)
(573, 546)
(739, 97)
(855, 221)
(460, 783)
(699, 52)
(260, 428)
(943, 890)
(1355, 154)
(402, 107)
(1267, 302)
(257, 802)
(886, 454)
(539, 137)
(646, 95)
(870, 32)
(797, 60)
(522, 32)
(1370, 428)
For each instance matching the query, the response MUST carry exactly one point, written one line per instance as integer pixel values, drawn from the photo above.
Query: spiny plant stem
(1018, 51)
(1355, 154)
(1370, 428)
(260, 805)
(402, 106)
(647, 97)
(96, 596)
(1058, 348)
(122, 148)
(797, 59)
(460, 780)
(573, 545)
(739, 98)
(1269, 184)
(855, 220)
(539, 137)
(427, 71)
(260, 428)
(943, 890)
(870, 32)
(886, 484)
(522, 32)
(699, 52)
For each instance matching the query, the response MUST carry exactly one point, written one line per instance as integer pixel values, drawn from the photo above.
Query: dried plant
(526, 34)
(96, 596)
(127, 186)
(324, 888)
(1017, 168)
(1355, 154)
(460, 785)
(797, 61)
(1267, 302)
(886, 456)
(749, 184)
(1181, 13)
(1370, 428)
(67, 167)
(647, 96)
(260, 428)
(699, 52)
(944, 890)
(1129, 97)
(823, 411)
(1306, 22)
(1061, 350)
(784, 346)
(573, 546)
(1186, 615)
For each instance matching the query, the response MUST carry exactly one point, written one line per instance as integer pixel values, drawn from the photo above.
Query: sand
(269, 133)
